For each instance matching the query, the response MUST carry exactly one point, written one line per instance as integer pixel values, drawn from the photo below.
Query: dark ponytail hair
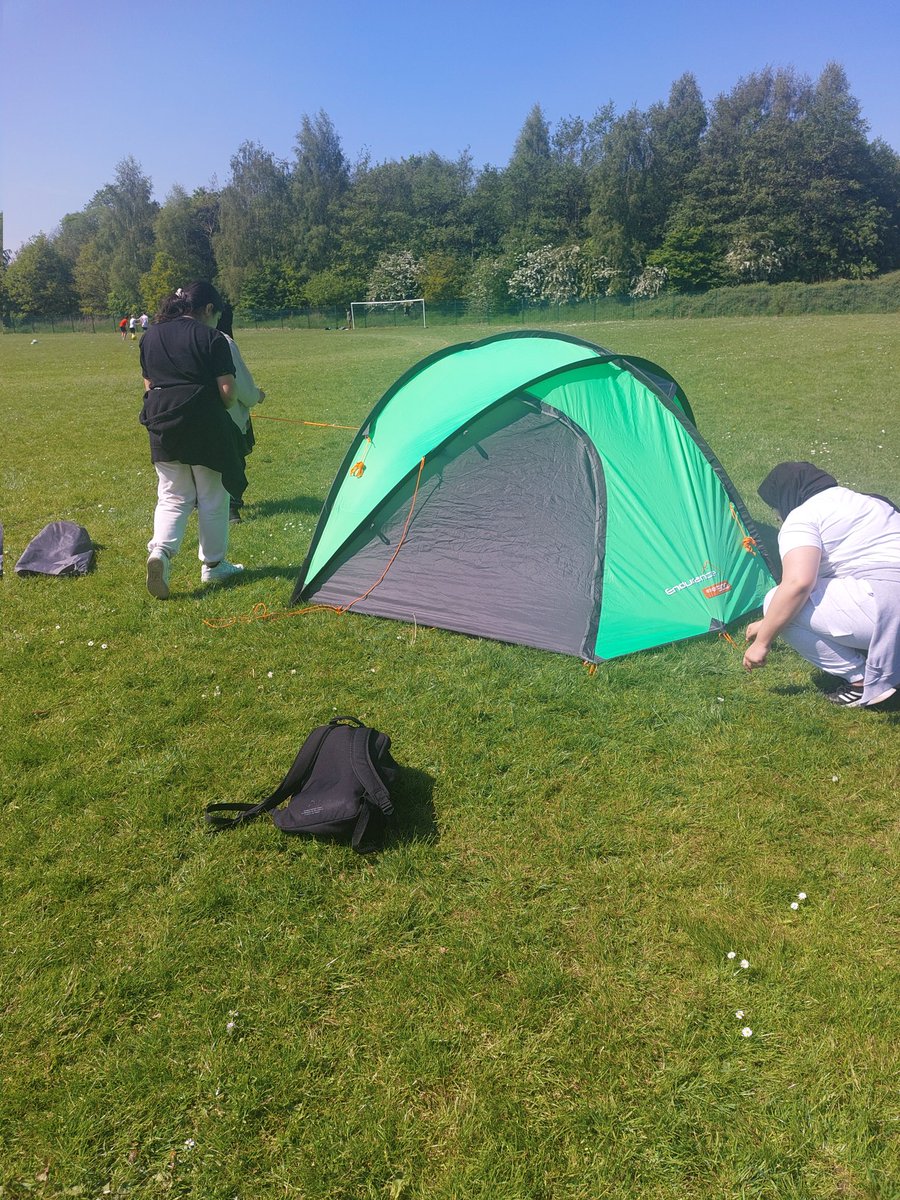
(226, 320)
(187, 300)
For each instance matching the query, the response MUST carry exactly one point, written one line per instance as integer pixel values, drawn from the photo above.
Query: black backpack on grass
(339, 786)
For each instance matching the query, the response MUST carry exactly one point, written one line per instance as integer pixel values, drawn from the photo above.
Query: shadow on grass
(825, 684)
(416, 821)
(272, 571)
(308, 505)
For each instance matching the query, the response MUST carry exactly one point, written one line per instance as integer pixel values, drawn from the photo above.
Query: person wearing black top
(189, 380)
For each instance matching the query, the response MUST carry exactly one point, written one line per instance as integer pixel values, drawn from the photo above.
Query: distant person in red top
(123, 328)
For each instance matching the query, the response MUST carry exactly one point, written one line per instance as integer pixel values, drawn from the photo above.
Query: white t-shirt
(849, 528)
(246, 392)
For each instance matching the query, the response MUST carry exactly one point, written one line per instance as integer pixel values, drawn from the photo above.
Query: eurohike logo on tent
(717, 589)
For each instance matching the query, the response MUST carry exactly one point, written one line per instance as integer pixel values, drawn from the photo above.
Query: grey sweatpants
(834, 627)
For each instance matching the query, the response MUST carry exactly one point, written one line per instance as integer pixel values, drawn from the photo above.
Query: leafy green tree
(884, 183)
(624, 208)
(320, 180)
(75, 231)
(482, 213)
(488, 286)
(785, 163)
(576, 147)
(676, 129)
(126, 212)
(38, 280)
(163, 278)
(266, 288)
(183, 240)
(691, 258)
(335, 287)
(443, 276)
(5, 257)
(416, 204)
(526, 180)
(91, 277)
(256, 219)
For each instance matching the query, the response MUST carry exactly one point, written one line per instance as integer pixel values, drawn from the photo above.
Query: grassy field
(527, 995)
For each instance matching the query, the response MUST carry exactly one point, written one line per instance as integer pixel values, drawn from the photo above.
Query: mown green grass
(526, 995)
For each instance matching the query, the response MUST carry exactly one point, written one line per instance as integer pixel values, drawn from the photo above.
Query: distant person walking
(123, 328)
(838, 603)
(189, 379)
(247, 395)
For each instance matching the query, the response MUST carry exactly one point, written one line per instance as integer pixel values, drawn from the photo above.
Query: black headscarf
(790, 484)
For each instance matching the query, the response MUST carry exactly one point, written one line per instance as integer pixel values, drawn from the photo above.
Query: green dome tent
(535, 488)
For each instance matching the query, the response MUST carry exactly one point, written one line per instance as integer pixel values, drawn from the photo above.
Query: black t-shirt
(184, 351)
(183, 412)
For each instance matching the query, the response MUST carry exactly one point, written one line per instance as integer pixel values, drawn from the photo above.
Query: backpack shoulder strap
(289, 786)
(364, 769)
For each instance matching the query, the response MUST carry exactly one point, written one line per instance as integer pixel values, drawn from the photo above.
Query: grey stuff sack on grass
(61, 548)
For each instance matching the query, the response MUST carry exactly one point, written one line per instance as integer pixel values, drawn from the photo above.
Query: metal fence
(784, 299)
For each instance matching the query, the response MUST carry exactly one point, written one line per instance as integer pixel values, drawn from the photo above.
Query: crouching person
(838, 603)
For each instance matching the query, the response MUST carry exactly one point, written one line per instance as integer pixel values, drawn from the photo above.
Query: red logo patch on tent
(717, 589)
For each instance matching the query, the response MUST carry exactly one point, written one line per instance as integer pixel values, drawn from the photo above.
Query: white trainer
(158, 566)
(220, 572)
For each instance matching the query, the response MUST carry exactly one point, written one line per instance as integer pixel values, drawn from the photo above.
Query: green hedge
(748, 300)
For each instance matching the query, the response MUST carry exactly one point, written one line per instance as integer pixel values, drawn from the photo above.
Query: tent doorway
(505, 540)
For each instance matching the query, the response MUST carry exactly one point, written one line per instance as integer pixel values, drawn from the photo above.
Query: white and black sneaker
(848, 696)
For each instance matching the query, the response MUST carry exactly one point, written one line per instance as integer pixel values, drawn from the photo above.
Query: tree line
(773, 181)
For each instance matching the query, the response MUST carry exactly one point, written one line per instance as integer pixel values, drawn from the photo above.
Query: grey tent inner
(506, 538)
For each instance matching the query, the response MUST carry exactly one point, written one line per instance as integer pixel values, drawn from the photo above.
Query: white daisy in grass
(801, 895)
(739, 1014)
(731, 954)
(794, 905)
(744, 964)
(746, 1031)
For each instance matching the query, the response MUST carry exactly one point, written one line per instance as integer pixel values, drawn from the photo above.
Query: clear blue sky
(179, 84)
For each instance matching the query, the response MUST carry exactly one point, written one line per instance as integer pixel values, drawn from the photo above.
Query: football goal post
(386, 312)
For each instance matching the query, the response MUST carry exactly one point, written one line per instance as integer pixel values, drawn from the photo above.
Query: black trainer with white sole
(847, 697)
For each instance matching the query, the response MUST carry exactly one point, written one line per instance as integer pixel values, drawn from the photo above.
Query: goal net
(375, 313)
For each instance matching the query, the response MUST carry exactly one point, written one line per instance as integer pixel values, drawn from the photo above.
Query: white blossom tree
(755, 260)
(649, 283)
(395, 276)
(559, 274)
